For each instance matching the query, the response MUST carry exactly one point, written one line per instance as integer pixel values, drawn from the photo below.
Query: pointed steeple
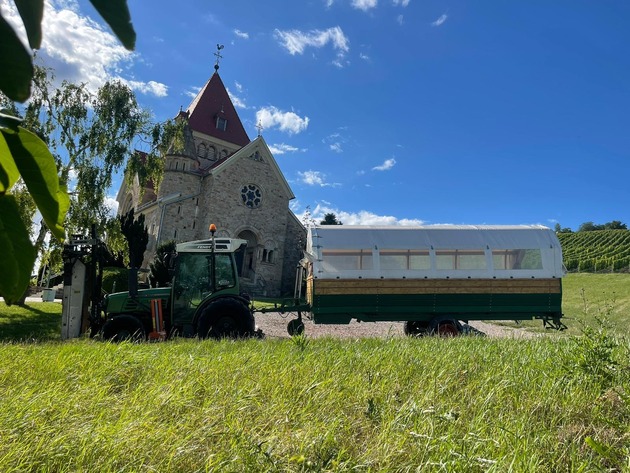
(213, 113)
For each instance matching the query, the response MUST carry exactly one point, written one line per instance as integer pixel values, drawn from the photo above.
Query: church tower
(222, 177)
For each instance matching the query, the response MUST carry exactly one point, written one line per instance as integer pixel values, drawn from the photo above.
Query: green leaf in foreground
(15, 64)
(32, 12)
(9, 173)
(18, 253)
(39, 172)
(116, 14)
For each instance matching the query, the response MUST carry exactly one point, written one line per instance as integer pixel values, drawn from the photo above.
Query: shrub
(119, 276)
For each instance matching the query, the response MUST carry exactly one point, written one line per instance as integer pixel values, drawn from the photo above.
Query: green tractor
(204, 299)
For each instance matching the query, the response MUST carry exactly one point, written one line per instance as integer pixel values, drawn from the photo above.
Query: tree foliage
(23, 154)
(330, 219)
(591, 227)
(137, 237)
(159, 275)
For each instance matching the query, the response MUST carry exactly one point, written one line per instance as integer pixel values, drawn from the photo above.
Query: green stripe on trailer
(381, 307)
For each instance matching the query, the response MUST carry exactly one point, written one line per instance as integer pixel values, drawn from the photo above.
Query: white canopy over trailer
(432, 277)
(435, 252)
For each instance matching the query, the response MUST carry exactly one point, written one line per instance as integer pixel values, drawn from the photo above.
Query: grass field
(397, 404)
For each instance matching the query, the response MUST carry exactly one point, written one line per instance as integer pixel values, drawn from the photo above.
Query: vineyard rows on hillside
(602, 250)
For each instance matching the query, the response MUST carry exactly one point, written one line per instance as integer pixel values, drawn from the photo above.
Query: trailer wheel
(225, 318)
(295, 327)
(447, 328)
(416, 328)
(124, 328)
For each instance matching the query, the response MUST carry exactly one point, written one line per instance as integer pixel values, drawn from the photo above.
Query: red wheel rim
(447, 329)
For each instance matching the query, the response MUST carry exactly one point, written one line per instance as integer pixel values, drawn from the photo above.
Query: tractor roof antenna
(219, 57)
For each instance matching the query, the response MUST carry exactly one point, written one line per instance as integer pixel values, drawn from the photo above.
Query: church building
(223, 177)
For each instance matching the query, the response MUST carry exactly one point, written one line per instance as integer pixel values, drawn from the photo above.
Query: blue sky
(395, 111)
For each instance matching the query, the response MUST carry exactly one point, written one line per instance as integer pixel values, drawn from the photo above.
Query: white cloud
(193, 92)
(335, 141)
(316, 178)
(237, 101)
(402, 3)
(294, 205)
(440, 21)
(148, 88)
(296, 41)
(78, 48)
(364, 5)
(362, 217)
(238, 86)
(336, 147)
(290, 122)
(283, 148)
(400, 19)
(112, 204)
(365, 57)
(241, 34)
(386, 166)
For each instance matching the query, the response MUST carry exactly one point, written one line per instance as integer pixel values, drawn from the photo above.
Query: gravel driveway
(274, 325)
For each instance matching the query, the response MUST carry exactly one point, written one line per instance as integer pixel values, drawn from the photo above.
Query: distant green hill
(600, 250)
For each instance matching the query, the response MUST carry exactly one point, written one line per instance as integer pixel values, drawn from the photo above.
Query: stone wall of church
(180, 212)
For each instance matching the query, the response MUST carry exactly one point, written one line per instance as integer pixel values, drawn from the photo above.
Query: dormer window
(221, 124)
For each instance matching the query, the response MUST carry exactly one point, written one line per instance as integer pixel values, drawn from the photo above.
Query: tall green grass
(429, 404)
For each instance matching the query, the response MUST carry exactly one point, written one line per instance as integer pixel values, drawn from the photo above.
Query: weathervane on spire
(218, 55)
(259, 127)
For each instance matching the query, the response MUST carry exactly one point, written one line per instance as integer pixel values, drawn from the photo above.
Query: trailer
(432, 278)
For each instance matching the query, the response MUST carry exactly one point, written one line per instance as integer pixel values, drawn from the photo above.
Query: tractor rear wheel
(225, 318)
(124, 328)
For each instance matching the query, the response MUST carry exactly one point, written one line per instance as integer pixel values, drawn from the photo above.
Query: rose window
(251, 195)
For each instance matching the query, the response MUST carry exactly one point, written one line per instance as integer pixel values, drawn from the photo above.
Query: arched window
(202, 150)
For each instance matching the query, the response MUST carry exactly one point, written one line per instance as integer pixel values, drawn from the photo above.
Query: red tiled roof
(212, 101)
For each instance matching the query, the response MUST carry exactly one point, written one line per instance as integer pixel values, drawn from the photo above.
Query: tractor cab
(203, 270)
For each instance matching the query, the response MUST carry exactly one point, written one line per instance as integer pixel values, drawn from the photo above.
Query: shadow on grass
(32, 322)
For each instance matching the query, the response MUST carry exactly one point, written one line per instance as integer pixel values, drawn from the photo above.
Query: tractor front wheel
(124, 328)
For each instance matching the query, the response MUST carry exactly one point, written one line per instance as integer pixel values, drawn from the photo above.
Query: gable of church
(221, 177)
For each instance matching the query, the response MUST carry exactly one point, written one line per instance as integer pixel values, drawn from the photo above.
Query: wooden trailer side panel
(340, 300)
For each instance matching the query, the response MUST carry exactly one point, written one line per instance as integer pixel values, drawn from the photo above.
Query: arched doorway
(246, 261)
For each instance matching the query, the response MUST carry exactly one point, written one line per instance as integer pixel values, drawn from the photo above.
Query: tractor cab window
(194, 280)
(224, 271)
